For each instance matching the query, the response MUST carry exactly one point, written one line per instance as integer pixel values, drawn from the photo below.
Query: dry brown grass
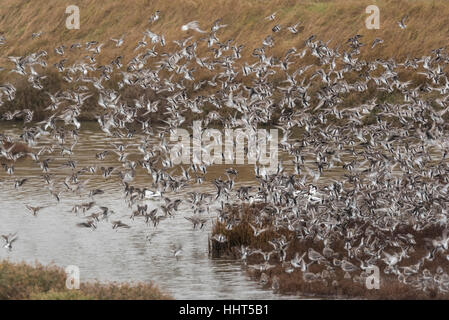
(19, 281)
(336, 20)
(328, 20)
(293, 283)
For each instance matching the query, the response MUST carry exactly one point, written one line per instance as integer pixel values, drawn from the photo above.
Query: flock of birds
(373, 175)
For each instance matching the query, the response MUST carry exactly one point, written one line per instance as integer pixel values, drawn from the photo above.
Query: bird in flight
(271, 17)
(193, 25)
(401, 23)
(34, 210)
(9, 240)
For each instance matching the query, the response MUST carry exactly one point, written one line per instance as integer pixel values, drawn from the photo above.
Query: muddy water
(124, 255)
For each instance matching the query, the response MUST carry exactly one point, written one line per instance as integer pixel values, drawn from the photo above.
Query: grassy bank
(427, 26)
(328, 282)
(19, 281)
(336, 21)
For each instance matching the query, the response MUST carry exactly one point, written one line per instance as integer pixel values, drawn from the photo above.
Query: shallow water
(124, 255)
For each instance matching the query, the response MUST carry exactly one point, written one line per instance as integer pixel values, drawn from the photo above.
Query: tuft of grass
(19, 281)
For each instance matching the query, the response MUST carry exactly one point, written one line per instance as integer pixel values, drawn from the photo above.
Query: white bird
(257, 231)
(118, 42)
(294, 28)
(220, 238)
(149, 194)
(9, 239)
(193, 25)
(154, 17)
(348, 266)
(376, 42)
(391, 259)
(34, 210)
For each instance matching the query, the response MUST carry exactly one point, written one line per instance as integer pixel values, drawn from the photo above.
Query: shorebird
(154, 17)
(276, 28)
(245, 251)
(220, 238)
(217, 25)
(271, 17)
(294, 28)
(257, 231)
(264, 278)
(118, 42)
(19, 182)
(9, 240)
(262, 267)
(149, 194)
(119, 224)
(309, 276)
(193, 25)
(197, 220)
(296, 261)
(401, 23)
(266, 255)
(347, 266)
(34, 210)
(36, 35)
(315, 256)
(176, 251)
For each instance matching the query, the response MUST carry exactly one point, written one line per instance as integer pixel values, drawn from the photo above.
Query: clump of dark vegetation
(327, 284)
